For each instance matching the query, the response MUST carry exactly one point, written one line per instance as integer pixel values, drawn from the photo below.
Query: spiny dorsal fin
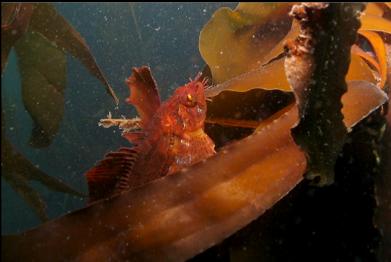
(103, 178)
(144, 94)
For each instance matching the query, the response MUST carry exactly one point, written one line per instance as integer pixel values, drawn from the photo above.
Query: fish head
(191, 104)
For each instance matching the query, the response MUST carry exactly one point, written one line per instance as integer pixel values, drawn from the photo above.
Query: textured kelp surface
(316, 65)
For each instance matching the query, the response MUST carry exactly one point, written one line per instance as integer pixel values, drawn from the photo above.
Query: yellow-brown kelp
(178, 216)
(231, 30)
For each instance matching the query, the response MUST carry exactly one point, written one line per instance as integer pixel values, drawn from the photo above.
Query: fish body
(171, 137)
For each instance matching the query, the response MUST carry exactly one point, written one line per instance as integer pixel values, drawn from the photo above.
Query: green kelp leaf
(19, 171)
(43, 71)
(236, 41)
(316, 69)
(56, 29)
(21, 186)
(15, 18)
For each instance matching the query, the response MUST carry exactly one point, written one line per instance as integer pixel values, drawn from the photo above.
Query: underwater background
(120, 36)
(330, 224)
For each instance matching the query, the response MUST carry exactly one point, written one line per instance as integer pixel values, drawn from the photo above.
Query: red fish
(171, 137)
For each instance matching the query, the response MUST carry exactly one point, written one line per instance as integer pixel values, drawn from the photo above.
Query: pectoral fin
(109, 174)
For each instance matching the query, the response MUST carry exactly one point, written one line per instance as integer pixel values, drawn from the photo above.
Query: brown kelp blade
(178, 216)
(272, 77)
(356, 50)
(375, 23)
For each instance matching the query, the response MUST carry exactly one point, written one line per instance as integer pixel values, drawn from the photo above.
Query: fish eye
(190, 101)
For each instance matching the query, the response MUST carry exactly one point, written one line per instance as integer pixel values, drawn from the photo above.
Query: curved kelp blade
(379, 48)
(374, 9)
(375, 23)
(359, 70)
(232, 115)
(43, 71)
(21, 186)
(178, 216)
(237, 59)
(55, 28)
(18, 172)
(356, 50)
(15, 18)
(361, 95)
(236, 41)
(268, 77)
(272, 77)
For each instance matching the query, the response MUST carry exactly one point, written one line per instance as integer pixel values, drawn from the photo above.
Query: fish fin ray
(103, 178)
(144, 95)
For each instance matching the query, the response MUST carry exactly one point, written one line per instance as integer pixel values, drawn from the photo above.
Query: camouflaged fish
(171, 137)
